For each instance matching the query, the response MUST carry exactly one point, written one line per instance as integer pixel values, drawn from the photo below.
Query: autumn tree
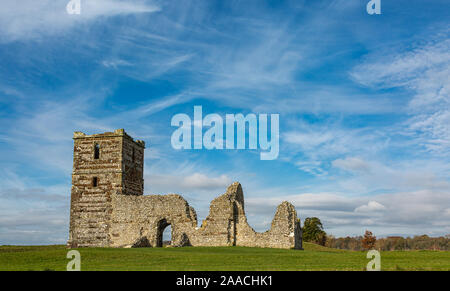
(368, 241)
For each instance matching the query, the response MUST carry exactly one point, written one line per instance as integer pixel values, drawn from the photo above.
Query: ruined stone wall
(228, 211)
(142, 219)
(115, 213)
(285, 231)
(138, 221)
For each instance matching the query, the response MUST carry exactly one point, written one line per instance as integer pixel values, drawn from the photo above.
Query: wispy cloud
(352, 164)
(425, 72)
(32, 19)
(312, 147)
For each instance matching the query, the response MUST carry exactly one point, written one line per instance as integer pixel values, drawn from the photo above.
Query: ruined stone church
(108, 208)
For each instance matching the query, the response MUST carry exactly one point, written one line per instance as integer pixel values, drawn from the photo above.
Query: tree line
(313, 232)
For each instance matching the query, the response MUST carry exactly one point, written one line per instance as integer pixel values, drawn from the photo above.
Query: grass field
(314, 257)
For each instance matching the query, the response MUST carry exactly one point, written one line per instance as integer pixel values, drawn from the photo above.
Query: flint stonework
(108, 208)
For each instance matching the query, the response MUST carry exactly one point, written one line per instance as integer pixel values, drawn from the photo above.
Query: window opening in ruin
(96, 151)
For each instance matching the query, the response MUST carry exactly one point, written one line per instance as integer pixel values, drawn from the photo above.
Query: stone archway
(160, 227)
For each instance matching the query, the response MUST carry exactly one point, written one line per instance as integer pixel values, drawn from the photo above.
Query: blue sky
(363, 103)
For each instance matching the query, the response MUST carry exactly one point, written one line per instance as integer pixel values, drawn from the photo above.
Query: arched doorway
(163, 232)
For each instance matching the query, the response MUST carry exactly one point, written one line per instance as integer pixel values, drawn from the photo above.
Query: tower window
(133, 155)
(96, 151)
(94, 182)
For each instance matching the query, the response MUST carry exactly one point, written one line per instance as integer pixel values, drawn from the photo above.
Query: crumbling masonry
(108, 208)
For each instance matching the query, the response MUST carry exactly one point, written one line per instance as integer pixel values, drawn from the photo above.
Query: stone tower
(104, 165)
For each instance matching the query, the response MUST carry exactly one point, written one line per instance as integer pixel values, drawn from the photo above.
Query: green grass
(314, 257)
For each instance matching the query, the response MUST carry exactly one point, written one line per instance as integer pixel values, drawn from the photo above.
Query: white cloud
(352, 164)
(312, 167)
(29, 19)
(318, 144)
(425, 72)
(371, 206)
(309, 140)
(115, 63)
(398, 213)
(400, 69)
(188, 182)
(49, 125)
(317, 201)
(447, 212)
(200, 181)
(34, 216)
(374, 176)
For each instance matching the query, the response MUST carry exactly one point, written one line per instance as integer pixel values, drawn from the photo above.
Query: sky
(363, 103)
